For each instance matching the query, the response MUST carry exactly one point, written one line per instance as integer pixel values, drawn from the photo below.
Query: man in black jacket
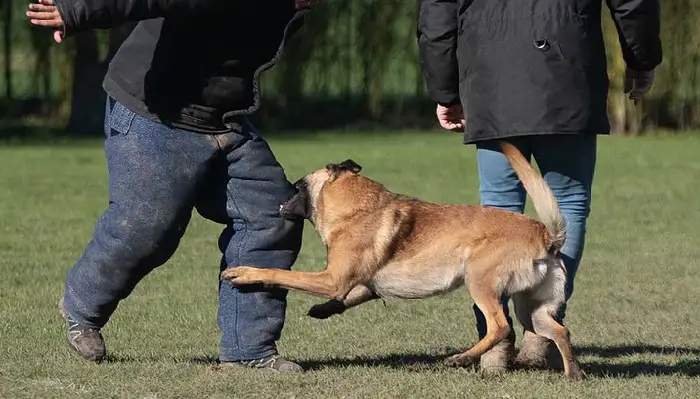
(533, 73)
(179, 90)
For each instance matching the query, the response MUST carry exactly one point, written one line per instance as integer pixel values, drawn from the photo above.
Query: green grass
(634, 316)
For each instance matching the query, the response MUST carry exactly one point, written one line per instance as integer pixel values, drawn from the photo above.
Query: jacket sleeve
(638, 25)
(81, 15)
(437, 47)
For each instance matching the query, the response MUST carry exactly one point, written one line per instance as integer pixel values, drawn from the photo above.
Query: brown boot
(497, 361)
(86, 341)
(274, 363)
(538, 353)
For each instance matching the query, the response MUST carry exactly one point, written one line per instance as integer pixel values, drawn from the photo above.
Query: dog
(387, 245)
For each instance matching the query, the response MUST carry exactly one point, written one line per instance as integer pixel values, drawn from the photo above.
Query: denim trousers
(158, 176)
(567, 163)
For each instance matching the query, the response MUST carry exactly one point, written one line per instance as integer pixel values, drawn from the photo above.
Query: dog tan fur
(387, 245)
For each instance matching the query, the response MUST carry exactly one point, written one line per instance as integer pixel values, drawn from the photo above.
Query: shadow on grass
(593, 368)
(428, 361)
(628, 350)
(201, 360)
(205, 360)
(690, 368)
(403, 361)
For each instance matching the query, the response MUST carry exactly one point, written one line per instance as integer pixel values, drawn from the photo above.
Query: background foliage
(356, 64)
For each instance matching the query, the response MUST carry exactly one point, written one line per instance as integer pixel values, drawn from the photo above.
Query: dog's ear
(346, 166)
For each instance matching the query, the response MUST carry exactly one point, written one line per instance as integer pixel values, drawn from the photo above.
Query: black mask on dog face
(299, 206)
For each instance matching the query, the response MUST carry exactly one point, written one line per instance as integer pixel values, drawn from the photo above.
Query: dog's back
(425, 248)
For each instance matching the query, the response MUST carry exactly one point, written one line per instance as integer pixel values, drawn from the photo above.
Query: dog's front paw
(460, 360)
(326, 309)
(238, 276)
(574, 373)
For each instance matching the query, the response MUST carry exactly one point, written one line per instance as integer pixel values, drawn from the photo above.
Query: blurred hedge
(357, 63)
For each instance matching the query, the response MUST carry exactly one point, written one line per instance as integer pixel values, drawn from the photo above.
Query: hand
(452, 117)
(46, 14)
(637, 83)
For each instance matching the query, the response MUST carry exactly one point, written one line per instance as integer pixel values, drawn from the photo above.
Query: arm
(638, 25)
(80, 15)
(437, 46)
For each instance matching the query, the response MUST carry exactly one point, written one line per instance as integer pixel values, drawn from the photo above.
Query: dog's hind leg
(536, 352)
(542, 303)
(497, 328)
(526, 358)
(546, 326)
(357, 296)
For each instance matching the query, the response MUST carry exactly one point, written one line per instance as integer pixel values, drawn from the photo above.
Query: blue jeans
(567, 163)
(157, 176)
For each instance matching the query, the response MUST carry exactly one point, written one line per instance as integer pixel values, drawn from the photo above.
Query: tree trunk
(41, 46)
(617, 112)
(87, 100)
(7, 31)
(87, 104)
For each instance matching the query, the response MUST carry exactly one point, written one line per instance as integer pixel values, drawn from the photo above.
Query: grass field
(634, 317)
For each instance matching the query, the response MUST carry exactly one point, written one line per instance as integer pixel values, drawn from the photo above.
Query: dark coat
(190, 63)
(530, 67)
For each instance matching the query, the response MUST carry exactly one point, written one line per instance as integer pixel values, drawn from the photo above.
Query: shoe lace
(261, 363)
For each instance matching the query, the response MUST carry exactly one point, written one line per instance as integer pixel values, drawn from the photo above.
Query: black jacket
(189, 63)
(530, 67)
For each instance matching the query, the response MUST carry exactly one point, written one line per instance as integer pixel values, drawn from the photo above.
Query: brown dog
(382, 244)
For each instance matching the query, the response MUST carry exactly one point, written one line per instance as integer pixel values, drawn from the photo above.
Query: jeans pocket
(120, 119)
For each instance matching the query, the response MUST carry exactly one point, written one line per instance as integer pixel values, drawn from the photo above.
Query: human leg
(567, 164)
(251, 319)
(154, 172)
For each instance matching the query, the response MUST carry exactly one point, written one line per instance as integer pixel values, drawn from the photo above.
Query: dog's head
(304, 204)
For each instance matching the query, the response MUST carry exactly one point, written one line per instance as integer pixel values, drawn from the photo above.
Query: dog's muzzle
(297, 207)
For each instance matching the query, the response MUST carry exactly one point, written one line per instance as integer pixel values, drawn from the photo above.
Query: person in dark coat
(533, 72)
(178, 138)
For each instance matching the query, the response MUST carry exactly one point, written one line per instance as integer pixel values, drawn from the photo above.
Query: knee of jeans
(575, 236)
(148, 236)
(508, 197)
(575, 206)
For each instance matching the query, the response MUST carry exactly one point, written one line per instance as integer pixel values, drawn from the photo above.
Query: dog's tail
(543, 199)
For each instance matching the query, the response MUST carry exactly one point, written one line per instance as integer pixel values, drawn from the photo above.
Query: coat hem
(469, 140)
